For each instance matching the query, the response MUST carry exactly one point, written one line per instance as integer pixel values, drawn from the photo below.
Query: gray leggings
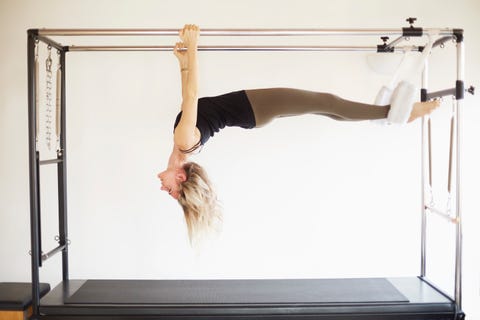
(268, 104)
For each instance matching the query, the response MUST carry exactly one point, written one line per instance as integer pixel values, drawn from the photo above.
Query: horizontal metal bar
(50, 42)
(395, 42)
(442, 214)
(228, 48)
(441, 93)
(442, 40)
(50, 254)
(52, 161)
(233, 32)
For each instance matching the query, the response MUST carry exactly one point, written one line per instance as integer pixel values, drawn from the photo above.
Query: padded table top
(286, 291)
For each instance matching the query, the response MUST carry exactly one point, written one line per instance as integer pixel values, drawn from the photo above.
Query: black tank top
(229, 110)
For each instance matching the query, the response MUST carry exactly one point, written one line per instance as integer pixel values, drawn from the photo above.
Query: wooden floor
(15, 315)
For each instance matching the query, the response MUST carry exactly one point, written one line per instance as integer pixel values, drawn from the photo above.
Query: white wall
(303, 197)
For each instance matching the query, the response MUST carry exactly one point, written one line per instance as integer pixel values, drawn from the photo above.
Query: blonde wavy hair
(200, 205)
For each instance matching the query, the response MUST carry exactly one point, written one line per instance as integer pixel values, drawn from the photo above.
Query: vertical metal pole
(62, 173)
(450, 153)
(33, 174)
(458, 250)
(39, 207)
(424, 149)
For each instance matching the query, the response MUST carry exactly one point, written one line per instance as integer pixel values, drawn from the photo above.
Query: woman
(199, 119)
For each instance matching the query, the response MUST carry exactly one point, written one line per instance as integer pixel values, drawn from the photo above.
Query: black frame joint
(32, 32)
(458, 33)
(412, 32)
(385, 48)
(423, 95)
(459, 90)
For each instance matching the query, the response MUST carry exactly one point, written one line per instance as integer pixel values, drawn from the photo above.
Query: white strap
(407, 51)
(401, 106)
(417, 68)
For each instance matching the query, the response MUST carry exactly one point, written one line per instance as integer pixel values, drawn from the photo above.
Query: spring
(48, 100)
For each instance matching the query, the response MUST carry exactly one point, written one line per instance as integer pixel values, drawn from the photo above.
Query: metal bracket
(412, 31)
(53, 252)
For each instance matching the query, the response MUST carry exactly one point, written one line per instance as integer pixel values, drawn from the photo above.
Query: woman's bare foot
(421, 109)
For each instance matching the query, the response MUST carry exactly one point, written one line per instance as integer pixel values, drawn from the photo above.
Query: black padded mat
(285, 291)
(18, 295)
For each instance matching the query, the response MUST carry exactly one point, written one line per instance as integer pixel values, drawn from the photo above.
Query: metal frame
(427, 184)
(45, 36)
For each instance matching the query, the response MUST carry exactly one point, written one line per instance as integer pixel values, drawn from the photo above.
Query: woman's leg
(268, 104)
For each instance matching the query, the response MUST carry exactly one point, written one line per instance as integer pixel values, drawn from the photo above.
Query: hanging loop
(59, 65)
(36, 48)
(48, 62)
(449, 204)
(67, 241)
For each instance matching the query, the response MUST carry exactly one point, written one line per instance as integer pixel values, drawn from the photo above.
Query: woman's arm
(183, 70)
(186, 134)
(183, 64)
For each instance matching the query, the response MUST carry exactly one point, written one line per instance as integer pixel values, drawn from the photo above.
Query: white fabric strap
(385, 93)
(401, 106)
(401, 99)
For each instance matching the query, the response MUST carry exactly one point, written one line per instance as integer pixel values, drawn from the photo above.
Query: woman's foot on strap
(421, 109)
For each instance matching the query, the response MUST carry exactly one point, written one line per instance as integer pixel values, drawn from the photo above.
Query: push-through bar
(442, 214)
(53, 252)
(51, 161)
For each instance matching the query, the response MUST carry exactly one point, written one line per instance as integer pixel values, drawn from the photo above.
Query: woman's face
(171, 179)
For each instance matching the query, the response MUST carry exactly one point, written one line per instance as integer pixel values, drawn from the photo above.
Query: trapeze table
(338, 299)
(362, 298)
